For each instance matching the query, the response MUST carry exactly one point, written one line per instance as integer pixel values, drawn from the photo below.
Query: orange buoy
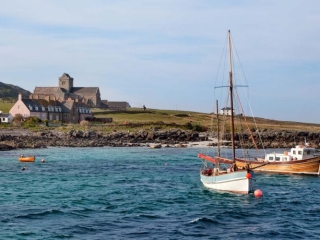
(248, 175)
(258, 193)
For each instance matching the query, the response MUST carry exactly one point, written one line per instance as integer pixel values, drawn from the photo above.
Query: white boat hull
(232, 182)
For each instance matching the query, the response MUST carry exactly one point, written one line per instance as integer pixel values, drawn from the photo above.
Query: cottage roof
(81, 105)
(4, 115)
(39, 103)
(104, 103)
(48, 90)
(67, 106)
(84, 90)
(118, 104)
(226, 108)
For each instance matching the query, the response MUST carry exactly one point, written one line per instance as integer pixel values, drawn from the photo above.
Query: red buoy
(258, 193)
(42, 160)
(248, 175)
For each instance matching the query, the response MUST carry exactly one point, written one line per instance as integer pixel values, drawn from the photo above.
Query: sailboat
(301, 159)
(233, 179)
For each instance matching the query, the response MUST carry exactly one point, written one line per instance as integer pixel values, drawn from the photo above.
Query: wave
(39, 214)
(148, 216)
(204, 220)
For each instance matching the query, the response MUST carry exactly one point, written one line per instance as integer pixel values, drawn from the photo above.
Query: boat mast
(231, 99)
(218, 129)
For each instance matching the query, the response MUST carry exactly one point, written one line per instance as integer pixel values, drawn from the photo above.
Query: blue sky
(165, 53)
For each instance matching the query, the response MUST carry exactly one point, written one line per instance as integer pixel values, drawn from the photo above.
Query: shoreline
(24, 138)
(10, 140)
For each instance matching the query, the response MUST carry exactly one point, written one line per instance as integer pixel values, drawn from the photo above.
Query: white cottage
(225, 111)
(5, 117)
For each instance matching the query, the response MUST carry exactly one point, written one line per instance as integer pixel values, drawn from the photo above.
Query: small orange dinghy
(27, 159)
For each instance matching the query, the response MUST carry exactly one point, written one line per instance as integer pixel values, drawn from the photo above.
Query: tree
(18, 117)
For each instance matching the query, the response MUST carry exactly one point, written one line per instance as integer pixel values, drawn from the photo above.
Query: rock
(4, 147)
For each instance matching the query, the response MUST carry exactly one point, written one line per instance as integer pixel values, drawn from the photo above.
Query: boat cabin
(300, 152)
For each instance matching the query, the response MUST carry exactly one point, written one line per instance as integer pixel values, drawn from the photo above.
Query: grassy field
(135, 115)
(135, 119)
(209, 121)
(5, 106)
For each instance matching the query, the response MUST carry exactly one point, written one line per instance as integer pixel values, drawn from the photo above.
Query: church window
(63, 82)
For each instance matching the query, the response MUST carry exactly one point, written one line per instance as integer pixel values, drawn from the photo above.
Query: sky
(166, 54)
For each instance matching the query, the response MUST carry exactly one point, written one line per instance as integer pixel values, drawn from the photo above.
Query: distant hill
(12, 91)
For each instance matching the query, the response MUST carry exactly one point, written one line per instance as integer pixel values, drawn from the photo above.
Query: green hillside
(170, 118)
(9, 91)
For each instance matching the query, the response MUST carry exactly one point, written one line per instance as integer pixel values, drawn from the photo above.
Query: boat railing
(250, 157)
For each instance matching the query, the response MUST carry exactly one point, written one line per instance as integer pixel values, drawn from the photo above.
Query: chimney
(19, 96)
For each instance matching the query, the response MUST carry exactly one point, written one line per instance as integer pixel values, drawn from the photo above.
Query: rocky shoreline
(76, 138)
(276, 139)
(18, 139)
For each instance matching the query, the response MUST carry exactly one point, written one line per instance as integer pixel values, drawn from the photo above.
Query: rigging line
(240, 130)
(245, 119)
(217, 76)
(235, 49)
(223, 55)
(244, 148)
(224, 59)
(222, 133)
(225, 105)
(247, 96)
(222, 67)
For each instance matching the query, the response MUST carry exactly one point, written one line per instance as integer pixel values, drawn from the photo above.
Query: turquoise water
(141, 193)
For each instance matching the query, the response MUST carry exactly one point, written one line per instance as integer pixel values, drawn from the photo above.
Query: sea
(143, 193)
